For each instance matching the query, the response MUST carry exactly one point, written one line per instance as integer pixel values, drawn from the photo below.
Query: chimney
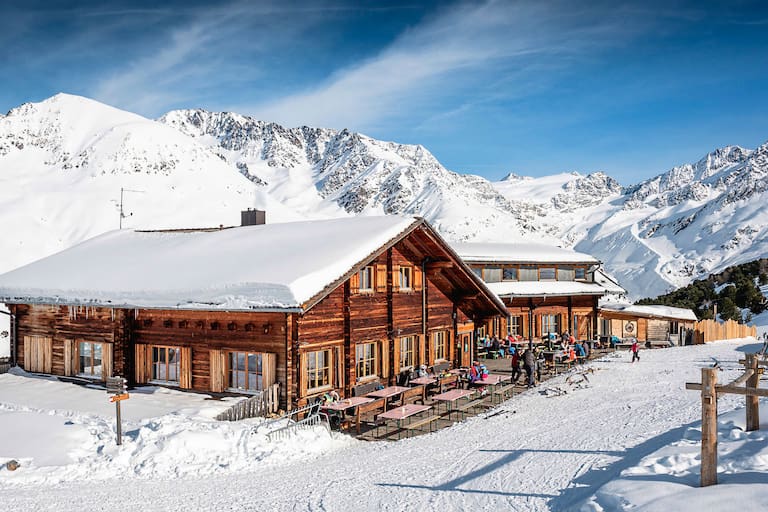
(251, 217)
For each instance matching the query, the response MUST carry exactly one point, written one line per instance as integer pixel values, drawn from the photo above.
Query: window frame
(547, 319)
(510, 269)
(412, 340)
(405, 271)
(372, 361)
(517, 324)
(440, 342)
(370, 270)
(259, 375)
(552, 269)
(177, 365)
(91, 375)
(577, 271)
(329, 364)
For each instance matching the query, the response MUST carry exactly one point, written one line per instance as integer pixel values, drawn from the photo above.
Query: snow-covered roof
(541, 288)
(272, 266)
(520, 253)
(608, 283)
(651, 311)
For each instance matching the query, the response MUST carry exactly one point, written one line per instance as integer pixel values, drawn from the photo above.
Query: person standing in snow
(529, 364)
(635, 353)
(515, 366)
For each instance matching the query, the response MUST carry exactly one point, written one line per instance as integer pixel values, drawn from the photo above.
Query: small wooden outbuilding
(647, 323)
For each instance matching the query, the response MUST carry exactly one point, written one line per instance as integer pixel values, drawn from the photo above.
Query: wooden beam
(708, 427)
(733, 390)
(434, 265)
(742, 378)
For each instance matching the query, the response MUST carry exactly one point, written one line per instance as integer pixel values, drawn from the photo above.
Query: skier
(635, 353)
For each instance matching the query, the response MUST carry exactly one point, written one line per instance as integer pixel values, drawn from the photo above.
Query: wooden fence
(710, 330)
(257, 406)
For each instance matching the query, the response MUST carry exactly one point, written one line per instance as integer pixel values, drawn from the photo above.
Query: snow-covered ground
(626, 438)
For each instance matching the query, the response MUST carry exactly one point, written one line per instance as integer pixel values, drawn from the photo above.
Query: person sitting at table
(330, 397)
(579, 349)
(473, 375)
(421, 371)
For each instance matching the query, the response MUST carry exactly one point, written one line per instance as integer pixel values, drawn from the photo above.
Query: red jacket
(634, 346)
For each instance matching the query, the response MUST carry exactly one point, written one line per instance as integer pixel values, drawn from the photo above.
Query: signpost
(116, 387)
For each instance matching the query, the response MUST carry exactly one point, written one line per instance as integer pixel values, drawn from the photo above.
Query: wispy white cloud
(460, 52)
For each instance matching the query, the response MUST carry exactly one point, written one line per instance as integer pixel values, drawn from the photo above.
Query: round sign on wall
(629, 327)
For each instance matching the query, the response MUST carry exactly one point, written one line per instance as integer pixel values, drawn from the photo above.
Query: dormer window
(547, 274)
(510, 274)
(581, 274)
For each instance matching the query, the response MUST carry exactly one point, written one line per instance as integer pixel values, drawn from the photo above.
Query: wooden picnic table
(423, 381)
(399, 414)
(451, 397)
(387, 393)
(347, 403)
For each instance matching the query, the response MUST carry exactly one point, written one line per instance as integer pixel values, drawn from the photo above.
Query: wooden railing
(746, 384)
(705, 331)
(257, 406)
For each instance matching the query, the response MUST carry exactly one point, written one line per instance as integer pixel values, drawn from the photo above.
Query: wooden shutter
(217, 370)
(338, 361)
(431, 349)
(107, 354)
(269, 369)
(354, 283)
(142, 363)
(384, 355)
(421, 356)
(396, 362)
(303, 369)
(70, 357)
(38, 354)
(449, 353)
(417, 279)
(185, 379)
(395, 278)
(381, 278)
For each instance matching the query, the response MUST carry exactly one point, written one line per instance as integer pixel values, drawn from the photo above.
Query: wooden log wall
(202, 331)
(98, 325)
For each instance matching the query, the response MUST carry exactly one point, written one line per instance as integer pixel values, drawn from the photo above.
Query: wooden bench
(439, 368)
(449, 382)
(371, 407)
(413, 395)
(503, 392)
(429, 420)
(365, 388)
(478, 402)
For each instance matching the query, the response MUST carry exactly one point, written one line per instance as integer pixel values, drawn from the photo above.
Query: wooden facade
(535, 317)
(644, 328)
(413, 302)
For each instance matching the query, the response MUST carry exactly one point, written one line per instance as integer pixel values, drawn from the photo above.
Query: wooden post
(708, 427)
(753, 411)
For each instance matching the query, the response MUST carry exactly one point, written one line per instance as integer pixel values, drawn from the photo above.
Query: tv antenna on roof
(122, 213)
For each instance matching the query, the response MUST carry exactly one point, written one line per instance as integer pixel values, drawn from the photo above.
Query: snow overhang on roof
(653, 311)
(520, 253)
(544, 288)
(253, 268)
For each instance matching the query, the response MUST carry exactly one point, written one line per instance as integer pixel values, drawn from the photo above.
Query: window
(549, 324)
(492, 274)
(165, 364)
(580, 273)
(547, 274)
(365, 356)
(407, 351)
(366, 279)
(674, 327)
(319, 369)
(440, 341)
(510, 274)
(406, 278)
(478, 271)
(246, 371)
(91, 357)
(565, 274)
(515, 326)
(529, 273)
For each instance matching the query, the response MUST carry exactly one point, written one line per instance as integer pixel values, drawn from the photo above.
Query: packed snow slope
(63, 162)
(623, 438)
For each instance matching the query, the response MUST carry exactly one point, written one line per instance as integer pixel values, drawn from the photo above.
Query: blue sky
(534, 88)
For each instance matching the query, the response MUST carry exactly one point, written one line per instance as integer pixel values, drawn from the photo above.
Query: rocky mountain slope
(63, 162)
